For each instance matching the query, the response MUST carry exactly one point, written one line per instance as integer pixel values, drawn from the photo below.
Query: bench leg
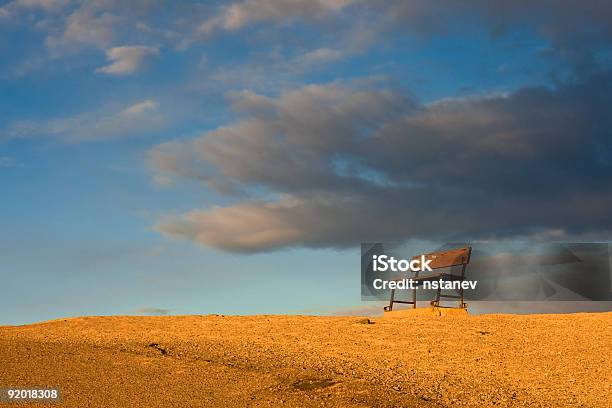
(437, 301)
(461, 303)
(390, 307)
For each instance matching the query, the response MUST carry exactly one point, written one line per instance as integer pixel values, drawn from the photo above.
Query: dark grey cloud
(337, 164)
(575, 30)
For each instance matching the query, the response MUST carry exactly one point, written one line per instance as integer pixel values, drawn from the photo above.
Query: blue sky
(184, 157)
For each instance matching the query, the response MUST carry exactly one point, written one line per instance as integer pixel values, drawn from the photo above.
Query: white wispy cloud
(6, 161)
(127, 59)
(105, 123)
(140, 108)
(16, 6)
(240, 14)
(321, 56)
(84, 27)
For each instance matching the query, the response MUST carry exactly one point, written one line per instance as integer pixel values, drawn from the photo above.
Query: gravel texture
(413, 360)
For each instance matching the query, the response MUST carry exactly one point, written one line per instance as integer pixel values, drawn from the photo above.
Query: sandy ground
(221, 361)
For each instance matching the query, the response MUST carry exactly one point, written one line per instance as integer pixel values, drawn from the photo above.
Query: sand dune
(297, 361)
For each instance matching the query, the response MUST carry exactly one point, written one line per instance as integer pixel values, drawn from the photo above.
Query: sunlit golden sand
(416, 359)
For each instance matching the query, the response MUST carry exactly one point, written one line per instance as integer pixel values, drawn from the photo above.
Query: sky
(161, 157)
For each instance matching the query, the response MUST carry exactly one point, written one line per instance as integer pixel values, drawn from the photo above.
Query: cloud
(574, 30)
(344, 28)
(6, 162)
(320, 56)
(559, 21)
(127, 59)
(240, 14)
(70, 27)
(152, 311)
(317, 117)
(88, 25)
(562, 27)
(106, 123)
(44, 4)
(140, 108)
(14, 7)
(334, 165)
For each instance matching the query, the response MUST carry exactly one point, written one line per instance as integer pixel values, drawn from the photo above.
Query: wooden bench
(439, 260)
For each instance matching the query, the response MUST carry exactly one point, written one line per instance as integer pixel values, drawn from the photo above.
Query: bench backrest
(460, 256)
